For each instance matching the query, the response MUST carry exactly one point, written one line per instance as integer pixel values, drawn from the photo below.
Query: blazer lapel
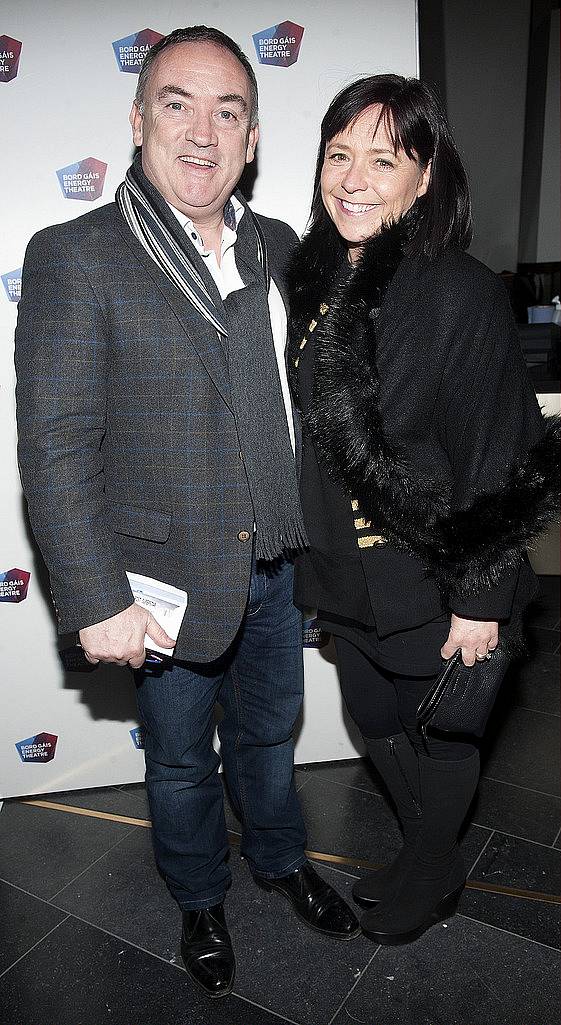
(202, 335)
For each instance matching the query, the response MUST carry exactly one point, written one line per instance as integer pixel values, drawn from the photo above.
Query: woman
(426, 463)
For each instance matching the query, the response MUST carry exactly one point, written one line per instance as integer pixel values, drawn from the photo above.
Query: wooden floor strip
(332, 859)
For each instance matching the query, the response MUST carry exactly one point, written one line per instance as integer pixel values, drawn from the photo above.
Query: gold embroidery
(312, 326)
(354, 503)
(370, 540)
(361, 523)
(323, 309)
(303, 342)
(296, 361)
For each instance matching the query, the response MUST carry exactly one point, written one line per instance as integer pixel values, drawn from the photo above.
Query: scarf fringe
(271, 547)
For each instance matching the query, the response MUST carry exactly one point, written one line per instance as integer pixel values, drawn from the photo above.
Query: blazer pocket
(134, 521)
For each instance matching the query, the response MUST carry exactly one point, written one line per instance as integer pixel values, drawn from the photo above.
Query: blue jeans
(259, 683)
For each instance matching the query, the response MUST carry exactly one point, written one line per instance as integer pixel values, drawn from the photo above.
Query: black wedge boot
(397, 763)
(430, 889)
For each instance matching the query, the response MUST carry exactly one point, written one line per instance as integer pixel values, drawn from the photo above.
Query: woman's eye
(337, 158)
(384, 163)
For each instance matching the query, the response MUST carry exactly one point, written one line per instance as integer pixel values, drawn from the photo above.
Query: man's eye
(175, 105)
(226, 115)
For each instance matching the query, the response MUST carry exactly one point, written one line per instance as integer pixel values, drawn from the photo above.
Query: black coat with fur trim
(423, 410)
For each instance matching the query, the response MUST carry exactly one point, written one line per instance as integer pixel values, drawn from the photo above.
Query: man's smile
(198, 161)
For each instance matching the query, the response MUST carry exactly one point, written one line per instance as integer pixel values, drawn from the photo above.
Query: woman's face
(364, 184)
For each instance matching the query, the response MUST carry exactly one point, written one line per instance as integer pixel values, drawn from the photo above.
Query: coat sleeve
(505, 460)
(62, 365)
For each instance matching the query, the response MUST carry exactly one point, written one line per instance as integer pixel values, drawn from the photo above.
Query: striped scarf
(134, 202)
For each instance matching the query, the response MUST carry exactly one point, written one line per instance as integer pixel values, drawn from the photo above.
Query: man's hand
(474, 637)
(120, 639)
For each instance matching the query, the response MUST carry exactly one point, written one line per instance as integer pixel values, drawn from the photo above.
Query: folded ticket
(166, 603)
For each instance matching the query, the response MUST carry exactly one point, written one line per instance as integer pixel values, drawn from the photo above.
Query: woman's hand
(475, 638)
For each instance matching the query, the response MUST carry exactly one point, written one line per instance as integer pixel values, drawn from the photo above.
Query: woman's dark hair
(415, 122)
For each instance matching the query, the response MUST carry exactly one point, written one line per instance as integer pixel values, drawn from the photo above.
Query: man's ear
(252, 140)
(136, 118)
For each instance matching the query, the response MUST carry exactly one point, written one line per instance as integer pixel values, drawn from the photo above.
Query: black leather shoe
(315, 902)
(206, 949)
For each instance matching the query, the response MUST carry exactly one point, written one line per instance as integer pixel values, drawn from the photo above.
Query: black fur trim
(466, 550)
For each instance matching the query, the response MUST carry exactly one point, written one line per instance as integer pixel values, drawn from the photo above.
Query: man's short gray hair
(197, 34)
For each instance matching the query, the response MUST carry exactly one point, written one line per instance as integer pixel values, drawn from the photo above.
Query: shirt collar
(233, 213)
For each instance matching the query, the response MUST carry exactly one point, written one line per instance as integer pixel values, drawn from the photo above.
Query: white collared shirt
(227, 279)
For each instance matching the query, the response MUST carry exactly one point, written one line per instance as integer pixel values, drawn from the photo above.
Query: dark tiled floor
(460, 973)
(93, 934)
(509, 861)
(42, 850)
(29, 921)
(81, 975)
(526, 751)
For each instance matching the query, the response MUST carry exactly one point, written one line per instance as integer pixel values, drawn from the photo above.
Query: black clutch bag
(462, 697)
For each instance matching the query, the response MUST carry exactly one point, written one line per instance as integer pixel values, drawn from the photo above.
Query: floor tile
(25, 921)
(458, 973)
(42, 850)
(123, 894)
(516, 863)
(283, 965)
(511, 809)
(350, 823)
(300, 778)
(523, 748)
(358, 773)
(356, 824)
(535, 683)
(81, 975)
(510, 861)
(532, 920)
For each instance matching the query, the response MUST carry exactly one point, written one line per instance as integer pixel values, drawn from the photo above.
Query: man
(156, 436)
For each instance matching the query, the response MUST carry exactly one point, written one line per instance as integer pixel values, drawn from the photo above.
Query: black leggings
(383, 703)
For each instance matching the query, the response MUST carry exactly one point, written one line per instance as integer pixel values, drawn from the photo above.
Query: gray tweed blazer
(128, 449)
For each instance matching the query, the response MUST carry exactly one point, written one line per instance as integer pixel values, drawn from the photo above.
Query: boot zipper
(403, 775)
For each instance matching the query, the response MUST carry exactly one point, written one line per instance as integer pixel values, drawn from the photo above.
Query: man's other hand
(120, 639)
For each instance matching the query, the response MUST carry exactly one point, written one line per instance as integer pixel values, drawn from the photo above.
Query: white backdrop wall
(68, 102)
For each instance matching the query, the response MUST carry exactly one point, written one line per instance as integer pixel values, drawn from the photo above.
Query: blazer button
(244, 535)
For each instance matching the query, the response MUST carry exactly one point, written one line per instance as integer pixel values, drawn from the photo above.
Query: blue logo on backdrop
(40, 748)
(131, 50)
(279, 45)
(137, 736)
(83, 180)
(12, 284)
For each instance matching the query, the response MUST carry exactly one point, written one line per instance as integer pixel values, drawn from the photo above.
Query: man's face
(194, 128)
